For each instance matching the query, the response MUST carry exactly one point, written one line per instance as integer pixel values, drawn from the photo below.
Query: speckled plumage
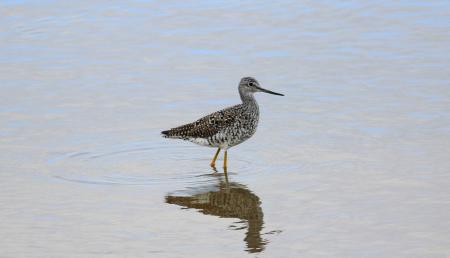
(224, 128)
(228, 127)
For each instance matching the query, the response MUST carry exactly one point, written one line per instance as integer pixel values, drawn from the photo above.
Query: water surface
(352, 162)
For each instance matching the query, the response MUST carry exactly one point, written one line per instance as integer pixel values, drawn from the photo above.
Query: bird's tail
(180, 132)
(170, 134)
(165, 134)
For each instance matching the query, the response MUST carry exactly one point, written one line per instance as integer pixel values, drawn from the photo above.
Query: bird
(225, 128)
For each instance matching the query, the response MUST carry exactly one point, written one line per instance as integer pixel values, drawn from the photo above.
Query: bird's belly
(232, 136)
(200, 141)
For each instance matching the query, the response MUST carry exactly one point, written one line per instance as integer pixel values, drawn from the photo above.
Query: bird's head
(251, 85)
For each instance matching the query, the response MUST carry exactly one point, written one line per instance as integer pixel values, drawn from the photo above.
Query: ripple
(139, 163)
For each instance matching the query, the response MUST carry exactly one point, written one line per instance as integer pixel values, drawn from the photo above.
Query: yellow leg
(225, 161)
(226, 177)
(213, 162)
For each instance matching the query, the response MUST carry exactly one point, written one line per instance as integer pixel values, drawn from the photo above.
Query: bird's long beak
(268, 91)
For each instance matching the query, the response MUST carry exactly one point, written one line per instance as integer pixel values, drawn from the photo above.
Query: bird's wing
(206, 126)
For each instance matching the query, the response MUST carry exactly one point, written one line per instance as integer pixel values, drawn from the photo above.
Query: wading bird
(225, 128)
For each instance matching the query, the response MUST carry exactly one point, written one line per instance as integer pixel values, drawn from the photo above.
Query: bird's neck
(247, 98)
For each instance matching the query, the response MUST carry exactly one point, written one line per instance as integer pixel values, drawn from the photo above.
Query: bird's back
(226, 127)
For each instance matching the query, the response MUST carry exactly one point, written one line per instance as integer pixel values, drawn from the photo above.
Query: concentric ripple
(138, 163)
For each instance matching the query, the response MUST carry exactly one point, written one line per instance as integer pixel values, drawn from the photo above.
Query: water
(352, 162)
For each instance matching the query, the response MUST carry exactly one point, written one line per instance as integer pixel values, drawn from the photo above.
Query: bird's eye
(251, 84)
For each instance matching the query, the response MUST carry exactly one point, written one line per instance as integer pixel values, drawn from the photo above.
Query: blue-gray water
(352, 162)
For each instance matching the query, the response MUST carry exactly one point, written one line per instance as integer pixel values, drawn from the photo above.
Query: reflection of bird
(225, 128)
(229, 200)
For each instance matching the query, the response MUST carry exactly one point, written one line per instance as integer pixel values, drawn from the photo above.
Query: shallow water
(352, 162)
